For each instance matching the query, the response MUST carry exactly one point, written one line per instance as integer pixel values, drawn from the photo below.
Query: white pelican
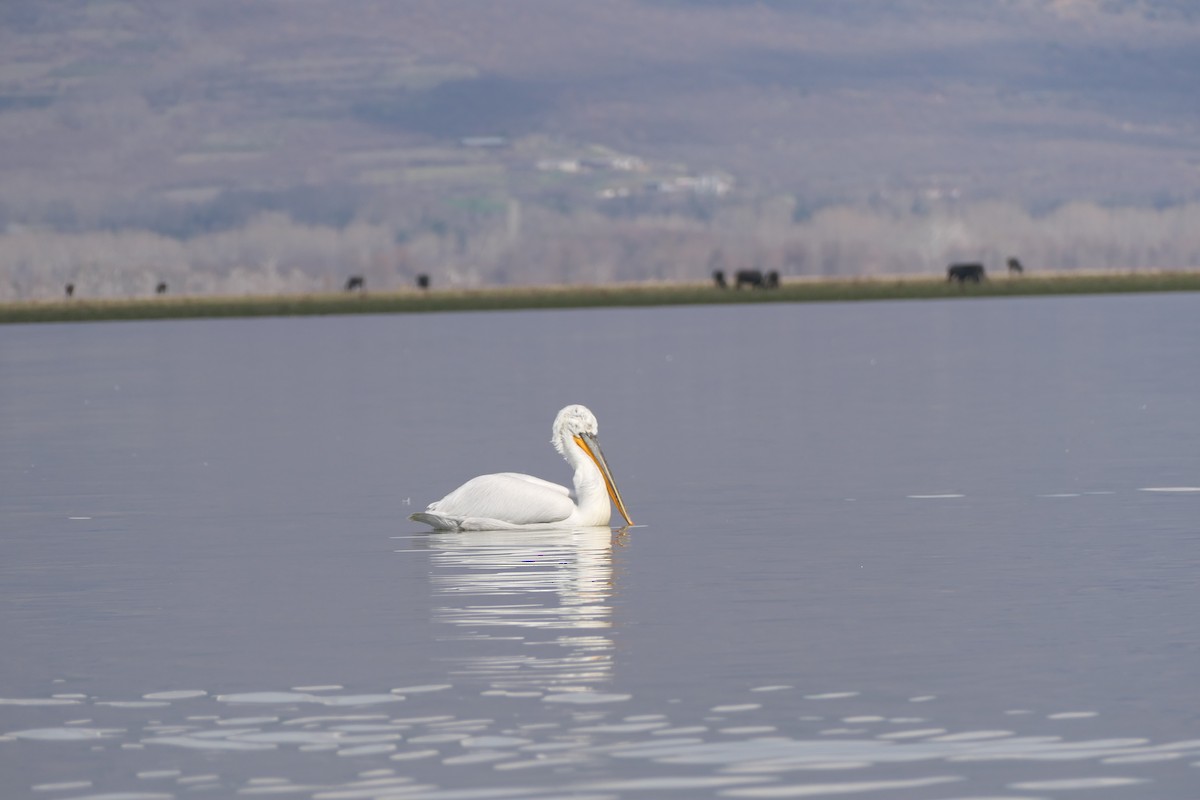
(512, 501)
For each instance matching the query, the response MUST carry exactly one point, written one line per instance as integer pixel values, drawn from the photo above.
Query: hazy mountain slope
(193, 118)
(782, 96)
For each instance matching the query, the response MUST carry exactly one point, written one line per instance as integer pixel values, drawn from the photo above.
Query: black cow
(161, 288)
(719, 279)
(773, 280)
(750, 277)
(422, 281)
(355, 283)
(1014, 266)
(70, 290)
(965, 272)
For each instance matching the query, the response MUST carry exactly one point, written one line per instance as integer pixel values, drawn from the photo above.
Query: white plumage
(512, 501)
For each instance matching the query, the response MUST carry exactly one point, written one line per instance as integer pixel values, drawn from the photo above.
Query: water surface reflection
(871, 571)
(529, 610)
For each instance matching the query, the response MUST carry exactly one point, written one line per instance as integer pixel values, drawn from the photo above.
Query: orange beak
(591, 446)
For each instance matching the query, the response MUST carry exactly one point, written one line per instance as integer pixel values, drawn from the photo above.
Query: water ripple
(578, 744)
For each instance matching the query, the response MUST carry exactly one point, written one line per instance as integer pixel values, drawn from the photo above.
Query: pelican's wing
(507, 497)
(536, 481)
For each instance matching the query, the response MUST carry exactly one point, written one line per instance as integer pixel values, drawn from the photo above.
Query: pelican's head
(576, 426)
(570, 422)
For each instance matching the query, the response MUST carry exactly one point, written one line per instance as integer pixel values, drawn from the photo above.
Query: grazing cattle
(719, 279)
(161, 288)
(355, 283)
(750, 277)
(772, 280)
(422, 281)
(1014, 266)
(70, 290)
(965, 272)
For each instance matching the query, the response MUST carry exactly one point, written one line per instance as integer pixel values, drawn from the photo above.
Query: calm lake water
(905, 550)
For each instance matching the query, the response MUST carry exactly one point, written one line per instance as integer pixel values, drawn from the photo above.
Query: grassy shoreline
(794, 290)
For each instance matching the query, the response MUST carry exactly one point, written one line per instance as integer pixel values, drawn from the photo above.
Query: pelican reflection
(529, 609)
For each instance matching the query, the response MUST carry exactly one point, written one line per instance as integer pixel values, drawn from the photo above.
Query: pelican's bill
(590, 445)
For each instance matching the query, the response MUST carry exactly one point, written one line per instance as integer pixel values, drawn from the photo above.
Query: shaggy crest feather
(572, 420)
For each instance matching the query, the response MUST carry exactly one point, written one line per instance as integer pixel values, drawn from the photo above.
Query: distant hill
(463, 121)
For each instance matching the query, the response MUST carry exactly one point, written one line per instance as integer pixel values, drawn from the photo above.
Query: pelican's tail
(437, 521)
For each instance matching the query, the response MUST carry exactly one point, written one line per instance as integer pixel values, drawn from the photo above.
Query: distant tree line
(312, 243)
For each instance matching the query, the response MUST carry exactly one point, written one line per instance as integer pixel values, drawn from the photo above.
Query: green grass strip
(796, 290)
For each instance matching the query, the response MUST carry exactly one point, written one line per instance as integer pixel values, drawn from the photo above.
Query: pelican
(512, 501)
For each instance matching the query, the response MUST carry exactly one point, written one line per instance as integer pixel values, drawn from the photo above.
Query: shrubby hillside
(285, 144)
